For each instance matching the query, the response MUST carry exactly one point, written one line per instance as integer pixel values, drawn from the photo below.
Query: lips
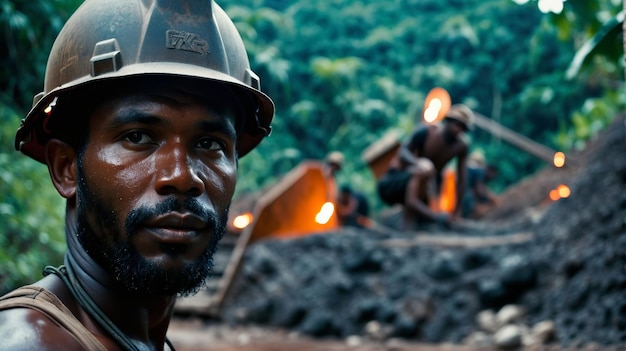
(176, 227)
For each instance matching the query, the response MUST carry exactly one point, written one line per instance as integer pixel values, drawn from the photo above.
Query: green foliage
(353, 70)
(595, 115)
(31, 212)
(342, 73)
(599, 62)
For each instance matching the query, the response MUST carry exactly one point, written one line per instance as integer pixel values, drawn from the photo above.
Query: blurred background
(342, 74)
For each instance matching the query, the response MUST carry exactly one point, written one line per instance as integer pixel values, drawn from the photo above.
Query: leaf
(608, 32)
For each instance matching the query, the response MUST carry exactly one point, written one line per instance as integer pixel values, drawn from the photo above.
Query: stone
(487, 321)
(510, 314)
(543, 332)
(508, 337)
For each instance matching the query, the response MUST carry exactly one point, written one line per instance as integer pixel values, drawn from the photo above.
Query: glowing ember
(323, 216)
(554, 195)
(561, 192)
(564, 191)
(559, 159)
(432, 112)
(242, 221)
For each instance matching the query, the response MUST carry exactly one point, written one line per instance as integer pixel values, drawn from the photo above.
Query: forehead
(217, 98)
(154, 97)
(74, 114)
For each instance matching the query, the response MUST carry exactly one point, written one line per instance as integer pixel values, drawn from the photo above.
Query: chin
(167, 275)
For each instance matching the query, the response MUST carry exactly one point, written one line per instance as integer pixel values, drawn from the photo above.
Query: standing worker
(331, 167)
(420, 160)
(478, 197)
(147, 106)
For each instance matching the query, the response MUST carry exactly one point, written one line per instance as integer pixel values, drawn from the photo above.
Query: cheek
(222, 180)
(118, 180)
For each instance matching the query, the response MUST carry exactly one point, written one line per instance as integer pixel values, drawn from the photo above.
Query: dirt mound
(563, 263)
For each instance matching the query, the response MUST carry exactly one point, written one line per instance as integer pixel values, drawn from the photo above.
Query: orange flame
(436, 105)
(564, 191)
(559, 159)
(561, 192)
(243, 220)
(325, 213)
(554, 195)
(432, 111)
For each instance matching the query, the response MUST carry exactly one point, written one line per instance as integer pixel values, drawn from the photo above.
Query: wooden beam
(428, 239)
(516, 139)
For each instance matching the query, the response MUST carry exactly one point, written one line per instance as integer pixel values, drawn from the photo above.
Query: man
(333, 163)
(331, 167)
(414, 173)
(352, 208)
(478, 197)
(147, 107)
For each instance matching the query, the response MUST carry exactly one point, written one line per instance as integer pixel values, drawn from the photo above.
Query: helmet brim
(33, 145)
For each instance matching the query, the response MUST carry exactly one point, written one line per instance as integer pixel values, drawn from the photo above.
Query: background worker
(331, 167)
(478, 197)
(352, 208)
(140, 124)
(334, 162)
(421, 160)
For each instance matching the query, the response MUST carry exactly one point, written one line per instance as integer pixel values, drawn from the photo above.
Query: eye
(210, 144)
(138, 137)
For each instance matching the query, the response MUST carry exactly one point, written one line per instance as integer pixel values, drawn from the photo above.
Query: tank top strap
(40, 299)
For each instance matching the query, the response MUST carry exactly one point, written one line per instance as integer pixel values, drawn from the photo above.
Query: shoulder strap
(37, 298)
(68, 277)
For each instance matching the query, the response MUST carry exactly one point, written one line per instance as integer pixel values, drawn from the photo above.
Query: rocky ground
(533, 272)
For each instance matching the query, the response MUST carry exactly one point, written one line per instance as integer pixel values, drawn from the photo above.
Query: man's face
(156, 180)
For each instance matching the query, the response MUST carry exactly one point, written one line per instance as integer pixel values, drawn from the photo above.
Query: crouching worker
(147, 106)
(415, 173)
(352, 208)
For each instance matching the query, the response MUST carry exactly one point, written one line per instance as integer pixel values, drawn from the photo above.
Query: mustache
(141, 214)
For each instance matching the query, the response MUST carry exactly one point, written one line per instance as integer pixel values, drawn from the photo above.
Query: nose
(176, 173)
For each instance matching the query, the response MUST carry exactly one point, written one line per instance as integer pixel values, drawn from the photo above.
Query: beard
(109, 244)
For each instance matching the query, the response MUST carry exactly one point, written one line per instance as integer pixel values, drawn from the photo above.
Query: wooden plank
(516, 139)
(459, 240)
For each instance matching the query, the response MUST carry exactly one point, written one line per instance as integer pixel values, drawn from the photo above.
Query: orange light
(564, 191)
(48, 109)
(242, 221)
(559, 159)
(436, 105)
(554, 195)
(323, 216)
(432, 111)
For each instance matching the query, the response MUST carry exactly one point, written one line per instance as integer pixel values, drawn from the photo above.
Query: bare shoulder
(28, 329)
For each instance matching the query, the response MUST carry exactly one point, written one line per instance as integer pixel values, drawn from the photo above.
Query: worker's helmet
(117, 41)
(477, 158)
(463, 114)
(335, 158)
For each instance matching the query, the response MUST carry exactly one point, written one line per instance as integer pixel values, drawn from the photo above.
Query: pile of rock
(507, 329)
(570, 279)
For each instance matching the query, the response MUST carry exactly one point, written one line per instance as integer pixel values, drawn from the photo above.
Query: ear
(62, 160)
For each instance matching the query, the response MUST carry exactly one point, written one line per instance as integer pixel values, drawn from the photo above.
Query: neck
(142, 318)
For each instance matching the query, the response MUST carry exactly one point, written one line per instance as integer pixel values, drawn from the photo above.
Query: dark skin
(142, 150)
(443, 143)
